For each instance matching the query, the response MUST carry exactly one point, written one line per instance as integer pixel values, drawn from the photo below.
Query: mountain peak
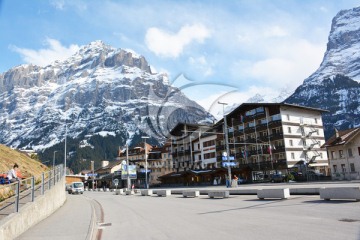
(343, 49)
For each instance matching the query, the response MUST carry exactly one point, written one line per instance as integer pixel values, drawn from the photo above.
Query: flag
(270, 148)
(243, 153)
(241, 118)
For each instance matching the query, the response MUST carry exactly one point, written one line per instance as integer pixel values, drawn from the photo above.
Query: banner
(132, 172)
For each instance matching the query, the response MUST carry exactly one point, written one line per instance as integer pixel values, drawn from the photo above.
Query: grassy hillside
(28, 166)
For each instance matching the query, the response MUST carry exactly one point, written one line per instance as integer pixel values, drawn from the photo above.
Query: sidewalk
(75, 220)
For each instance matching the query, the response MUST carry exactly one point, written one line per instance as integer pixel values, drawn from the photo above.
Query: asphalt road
(175, 217)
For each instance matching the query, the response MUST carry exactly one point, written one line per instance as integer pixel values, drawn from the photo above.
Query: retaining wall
(31, 213)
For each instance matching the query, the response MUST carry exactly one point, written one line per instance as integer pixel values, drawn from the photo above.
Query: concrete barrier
(282, 193)
(119, 192)
(146, 192)
(163, 193)
(343, 193)
(32, 213)
(129, 192)
(191, 193)
(218, 194)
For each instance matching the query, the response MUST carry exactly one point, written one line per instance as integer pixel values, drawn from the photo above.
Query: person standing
(12, 174)
(227, 181)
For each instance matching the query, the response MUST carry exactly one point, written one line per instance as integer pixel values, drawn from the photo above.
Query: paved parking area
(238, 217)
(105, 215)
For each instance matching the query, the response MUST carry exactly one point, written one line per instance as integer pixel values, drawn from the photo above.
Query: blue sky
(246, 46)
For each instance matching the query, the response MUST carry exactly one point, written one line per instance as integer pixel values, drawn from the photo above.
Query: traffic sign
(116, 182)
(231, 164)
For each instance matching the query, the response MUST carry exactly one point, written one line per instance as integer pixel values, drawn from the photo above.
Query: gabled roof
(342, 137)
(110, 165)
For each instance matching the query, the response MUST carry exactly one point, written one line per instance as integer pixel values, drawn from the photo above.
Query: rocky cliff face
(100, 90)
(334, 86)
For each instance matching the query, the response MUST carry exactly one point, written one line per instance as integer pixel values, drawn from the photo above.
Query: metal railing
(27, 190)
(346, 176)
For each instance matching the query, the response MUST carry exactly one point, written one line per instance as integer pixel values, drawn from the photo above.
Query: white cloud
(42, 57)
(62, 5)
(202, 65)
(171, 45)
(58, 4)
(283, 65)
(324, 9)
(275, 31)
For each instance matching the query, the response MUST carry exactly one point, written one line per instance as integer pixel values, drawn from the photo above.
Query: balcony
(220, 147)
(276, 136)
(278, 149)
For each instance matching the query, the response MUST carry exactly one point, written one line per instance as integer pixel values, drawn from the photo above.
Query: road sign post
(116, 182)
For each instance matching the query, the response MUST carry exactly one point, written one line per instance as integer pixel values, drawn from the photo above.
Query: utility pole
(226, 141)
(146, 180)
(93, 176)
(127, 168)
(65, 150)
(54, 160)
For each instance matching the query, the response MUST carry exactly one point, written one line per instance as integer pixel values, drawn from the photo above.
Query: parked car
(277, 178)
(76, 187)
(241, 181)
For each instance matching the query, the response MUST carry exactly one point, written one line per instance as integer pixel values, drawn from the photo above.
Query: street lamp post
(65, 149)
(146, 181)
(54, 160)
(93, 177)
(226, 142)
(127, 168)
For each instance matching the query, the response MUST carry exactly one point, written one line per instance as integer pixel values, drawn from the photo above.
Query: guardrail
(346, 176)
(21, 192)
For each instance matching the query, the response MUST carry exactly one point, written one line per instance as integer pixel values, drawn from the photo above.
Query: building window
(332, 155)
(289, 129)
(292, 155)
(343, 169)
(291, 142)
(341, 153)
(352, 167)
(288, 117)
(316, 120)
(321, 155)
(359, 150)
(350, 154)
(335, 168)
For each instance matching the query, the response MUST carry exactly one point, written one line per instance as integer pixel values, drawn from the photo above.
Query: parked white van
(76, 187)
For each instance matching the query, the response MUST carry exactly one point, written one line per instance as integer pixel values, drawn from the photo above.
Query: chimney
(337, 135)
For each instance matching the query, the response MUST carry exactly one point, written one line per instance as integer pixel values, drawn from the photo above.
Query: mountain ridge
(98, 89)
(335, 86)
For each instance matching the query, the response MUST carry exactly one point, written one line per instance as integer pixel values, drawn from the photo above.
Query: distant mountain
(99, 92)
(334, 86)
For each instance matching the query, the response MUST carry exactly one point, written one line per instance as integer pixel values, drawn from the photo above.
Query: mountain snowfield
(335, 86)
(343, 49)
(98, 90)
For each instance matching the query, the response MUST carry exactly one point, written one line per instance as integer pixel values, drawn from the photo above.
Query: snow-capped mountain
(335, 85)
(99, 90)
